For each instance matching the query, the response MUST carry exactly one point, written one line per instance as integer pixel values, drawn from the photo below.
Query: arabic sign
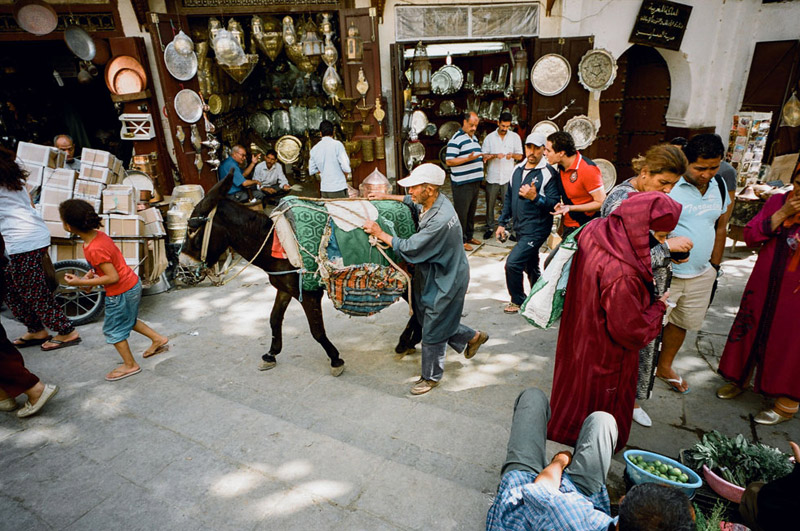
(660, 23)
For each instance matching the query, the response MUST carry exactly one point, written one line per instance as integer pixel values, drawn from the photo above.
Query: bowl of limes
(649, 467)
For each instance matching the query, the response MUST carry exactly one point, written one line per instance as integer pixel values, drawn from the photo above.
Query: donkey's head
(200, 222)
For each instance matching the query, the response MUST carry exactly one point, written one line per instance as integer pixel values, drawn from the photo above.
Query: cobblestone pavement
(202, 440)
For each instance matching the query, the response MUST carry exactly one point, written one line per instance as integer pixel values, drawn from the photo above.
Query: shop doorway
(633, 110)
(40, 97)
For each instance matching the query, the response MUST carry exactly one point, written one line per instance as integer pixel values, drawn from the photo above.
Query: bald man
(64, 143)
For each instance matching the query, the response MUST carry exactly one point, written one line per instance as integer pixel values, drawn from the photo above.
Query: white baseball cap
(424, 173)
(537, 139)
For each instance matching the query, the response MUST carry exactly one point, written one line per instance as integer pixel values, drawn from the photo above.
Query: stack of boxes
(96, 183)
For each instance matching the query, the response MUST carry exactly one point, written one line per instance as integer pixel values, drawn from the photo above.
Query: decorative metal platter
(550, 74)
(181, 67)
(447, 108)
(495, 109)
(188, 106)
(413, 154)
(608, 171)
(456, 75)
(260, 123)
(582, 130)
(441, 83)
(447, 130)
(597, 70)
(546, 127)
(281, 125)
(430, 129)
(419, 121)
(214, 104)
(288, 148)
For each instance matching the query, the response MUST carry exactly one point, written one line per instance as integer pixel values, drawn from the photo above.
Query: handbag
(545, 303)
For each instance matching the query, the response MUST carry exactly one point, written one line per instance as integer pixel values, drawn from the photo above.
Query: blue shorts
(121, 313)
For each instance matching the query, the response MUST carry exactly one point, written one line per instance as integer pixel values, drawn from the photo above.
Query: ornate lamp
(311, 43)
(520, 72)
(421, 71)
(354, 45)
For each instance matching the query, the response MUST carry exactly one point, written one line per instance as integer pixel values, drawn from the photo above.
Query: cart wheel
(80, 307)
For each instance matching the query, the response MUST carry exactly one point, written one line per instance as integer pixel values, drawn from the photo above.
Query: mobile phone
(679, 255)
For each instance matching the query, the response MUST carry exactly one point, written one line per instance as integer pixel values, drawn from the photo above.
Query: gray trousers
(433, 354)
(341, 194)
(493, 191)
(593, 451)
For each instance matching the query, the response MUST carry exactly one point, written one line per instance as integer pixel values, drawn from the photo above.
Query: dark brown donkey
(238, 227)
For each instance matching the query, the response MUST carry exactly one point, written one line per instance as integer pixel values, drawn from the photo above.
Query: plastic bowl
(638, 476)
(724, 488)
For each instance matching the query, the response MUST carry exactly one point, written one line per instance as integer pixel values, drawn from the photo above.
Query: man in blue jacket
(530, 198)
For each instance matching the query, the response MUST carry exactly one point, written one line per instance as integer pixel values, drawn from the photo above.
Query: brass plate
(288, 148)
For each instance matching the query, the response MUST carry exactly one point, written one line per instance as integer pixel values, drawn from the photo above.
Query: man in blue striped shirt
(464, 158)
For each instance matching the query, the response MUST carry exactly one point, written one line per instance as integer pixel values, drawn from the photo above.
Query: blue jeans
(524, 258)
(433, 354)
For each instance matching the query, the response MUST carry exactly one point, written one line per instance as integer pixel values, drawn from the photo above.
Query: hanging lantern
(520, 72)
(421, 71)
(355, 45)
(791, 112)
(311, 43)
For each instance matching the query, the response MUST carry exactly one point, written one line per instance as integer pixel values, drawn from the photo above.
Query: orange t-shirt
(579, 181)
(102, 250)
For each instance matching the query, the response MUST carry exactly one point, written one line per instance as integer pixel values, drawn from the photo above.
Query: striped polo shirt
(459, 146)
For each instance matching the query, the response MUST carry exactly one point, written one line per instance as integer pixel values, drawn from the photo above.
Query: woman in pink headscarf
(610, 313)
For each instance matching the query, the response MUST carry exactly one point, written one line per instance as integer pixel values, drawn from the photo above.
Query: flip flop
(21, 342)
(674, 384)
(159, 350)
(122, 377)
(60, 344)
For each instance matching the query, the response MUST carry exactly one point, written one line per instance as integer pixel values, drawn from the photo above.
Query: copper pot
(145, 196)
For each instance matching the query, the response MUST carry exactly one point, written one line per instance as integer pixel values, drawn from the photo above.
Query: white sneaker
(641, 417)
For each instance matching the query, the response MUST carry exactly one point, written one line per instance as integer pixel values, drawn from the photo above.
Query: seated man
(270, 177)
(570, 494)
(241, 182)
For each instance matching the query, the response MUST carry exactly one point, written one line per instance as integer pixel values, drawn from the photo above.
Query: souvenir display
(188, 106)
(545, 127)
(582, 129)
(608, 171)
(441, 83)
(597, 70)
(288, 148)
(267, 35)
(550, 74)
(182, 67)
(747, 140)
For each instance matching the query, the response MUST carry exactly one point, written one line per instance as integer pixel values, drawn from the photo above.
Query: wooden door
(371, 65)
(163, 27)
(633, 110)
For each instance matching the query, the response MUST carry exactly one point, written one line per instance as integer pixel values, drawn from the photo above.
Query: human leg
(672, 341)
(433, 355)
(463, 336)
(461, 203)
(593, 452)
(492, 191)
(15, 379)
(339, 194)
(15, 296)
(129, 366)
(121, 317)
(526, 444)
(159, 342)
(474, 189)
(515, 265)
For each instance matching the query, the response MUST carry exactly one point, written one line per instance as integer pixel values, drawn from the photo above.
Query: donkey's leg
(282, 300)
(410, 337)
(312, 305)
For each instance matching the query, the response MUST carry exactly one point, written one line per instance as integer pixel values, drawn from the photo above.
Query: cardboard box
(96, 202)
(122, 225)
(61, 178)
(41, 155)
(49, 212)
(150, 215)
(56, 229)
(54, 196)
(117, 169)
(132, 251)
(97, 174)
(35, 173)
(155, 228)
(118, 199)
(91, 189)
(60, 252)
(99, 158)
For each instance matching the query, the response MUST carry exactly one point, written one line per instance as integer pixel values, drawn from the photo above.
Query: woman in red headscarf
(763, 338)
(610, 313)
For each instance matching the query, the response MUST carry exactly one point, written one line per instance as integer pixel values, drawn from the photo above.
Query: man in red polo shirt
(581, 181)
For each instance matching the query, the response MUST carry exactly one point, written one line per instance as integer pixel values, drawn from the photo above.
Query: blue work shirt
(531, 218)
(522, 505)
(697, 222)
(238, 177)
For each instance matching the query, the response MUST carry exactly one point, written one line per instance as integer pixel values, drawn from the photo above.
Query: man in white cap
(441, 275)
(531, 197)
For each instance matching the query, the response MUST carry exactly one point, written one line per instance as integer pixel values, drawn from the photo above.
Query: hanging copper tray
(597, 70)
(550, 74)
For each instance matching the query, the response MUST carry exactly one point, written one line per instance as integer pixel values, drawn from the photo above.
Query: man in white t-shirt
(271, 179)
(502, 150)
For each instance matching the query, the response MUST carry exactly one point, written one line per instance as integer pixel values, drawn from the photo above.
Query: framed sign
(661, 24)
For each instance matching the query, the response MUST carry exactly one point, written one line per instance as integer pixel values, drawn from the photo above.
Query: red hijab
(625, 233)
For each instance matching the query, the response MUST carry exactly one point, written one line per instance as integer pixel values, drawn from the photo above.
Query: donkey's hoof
(266, 365)
(337, 371)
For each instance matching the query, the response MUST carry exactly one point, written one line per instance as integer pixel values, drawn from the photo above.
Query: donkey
(236, 226)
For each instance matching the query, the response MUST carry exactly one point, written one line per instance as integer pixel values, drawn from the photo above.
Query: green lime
(675, 471)
(684, 478)
(656, 463)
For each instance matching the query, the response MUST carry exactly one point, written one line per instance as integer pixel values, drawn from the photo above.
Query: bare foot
(157, 347)
(676, 380)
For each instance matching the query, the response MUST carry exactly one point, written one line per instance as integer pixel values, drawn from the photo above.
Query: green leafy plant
(737, 460)
(713, 520)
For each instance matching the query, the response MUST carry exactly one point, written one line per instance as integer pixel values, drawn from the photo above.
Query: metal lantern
(355, 45)
(520, 72)
(312, 45)
(421, 71)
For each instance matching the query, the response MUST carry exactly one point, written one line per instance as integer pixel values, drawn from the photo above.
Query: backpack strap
(722, 191)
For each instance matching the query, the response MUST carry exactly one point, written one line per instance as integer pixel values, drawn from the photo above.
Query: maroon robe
(764, 333)
(609, 315)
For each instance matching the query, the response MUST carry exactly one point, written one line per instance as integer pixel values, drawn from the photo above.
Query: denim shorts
(121, 313)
